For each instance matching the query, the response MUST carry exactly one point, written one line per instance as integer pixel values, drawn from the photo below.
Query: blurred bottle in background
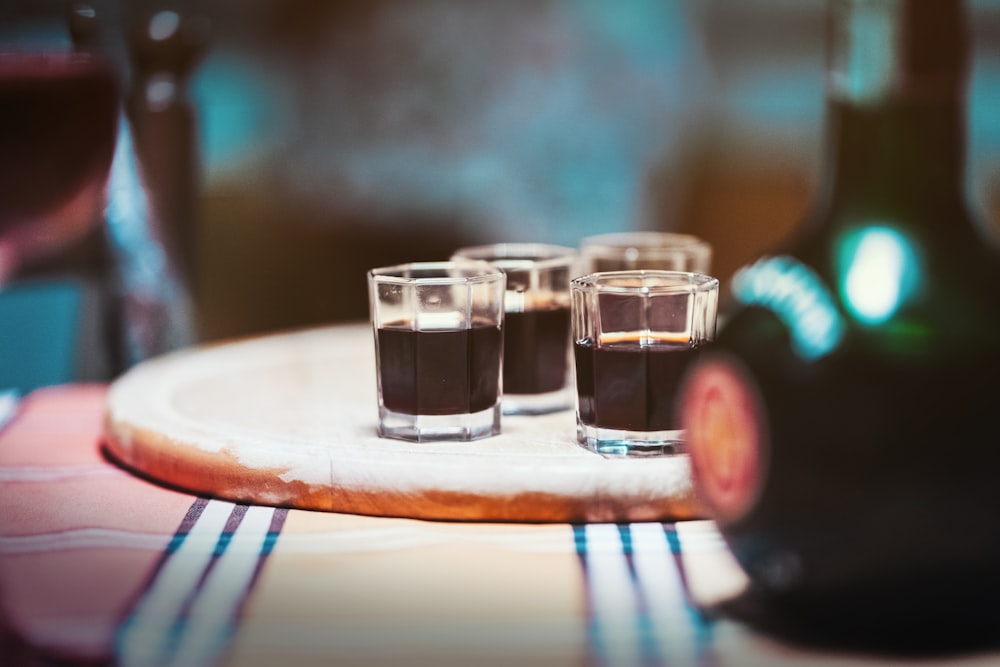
(152, 216)
(840, 430)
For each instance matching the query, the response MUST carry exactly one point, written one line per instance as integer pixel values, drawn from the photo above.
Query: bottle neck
(896, 109)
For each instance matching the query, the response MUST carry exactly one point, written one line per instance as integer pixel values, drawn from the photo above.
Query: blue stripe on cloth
(638, 608)
(190, 518)
(210, 622)
(180, 623)
(595, 648)
(227, 535)
(273, 531)
(209, 566)
(228, 630)
(700, 621)
(648, 651)
(580, 541)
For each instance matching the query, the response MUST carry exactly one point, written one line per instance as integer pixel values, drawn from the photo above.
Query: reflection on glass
(164, 25)
(879, 273)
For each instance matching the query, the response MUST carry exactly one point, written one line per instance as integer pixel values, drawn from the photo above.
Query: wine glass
(58, 125)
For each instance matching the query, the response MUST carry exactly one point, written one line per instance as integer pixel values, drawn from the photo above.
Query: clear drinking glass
(438, 349)
(634, 335)
(537, 375)
(624, 251)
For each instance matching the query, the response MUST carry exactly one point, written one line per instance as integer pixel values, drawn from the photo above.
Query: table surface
(102, 565)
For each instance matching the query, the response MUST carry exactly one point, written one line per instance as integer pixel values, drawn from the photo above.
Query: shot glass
(537, 369)
(634, 335)
(626, 251)
(438, 349)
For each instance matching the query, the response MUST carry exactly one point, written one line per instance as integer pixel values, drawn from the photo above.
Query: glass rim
(657, 281)
(519, 255)
(649, 242)
(437, 273)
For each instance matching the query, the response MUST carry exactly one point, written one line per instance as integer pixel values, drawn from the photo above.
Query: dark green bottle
(844, 430)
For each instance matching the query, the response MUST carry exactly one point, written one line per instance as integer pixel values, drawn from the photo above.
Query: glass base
(430, 428)
(539, 404)
(619, 442)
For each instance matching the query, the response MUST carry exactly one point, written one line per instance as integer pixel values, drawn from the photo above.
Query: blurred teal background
(337, 136)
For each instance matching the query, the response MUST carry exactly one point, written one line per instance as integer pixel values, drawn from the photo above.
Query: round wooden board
(289, 420)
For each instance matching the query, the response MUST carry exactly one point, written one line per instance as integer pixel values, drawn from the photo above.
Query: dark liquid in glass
(628, 386)
(535, 350)
(58, 123)
(445, 372)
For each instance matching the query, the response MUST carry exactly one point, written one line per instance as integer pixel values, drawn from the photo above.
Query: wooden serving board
(289, 420)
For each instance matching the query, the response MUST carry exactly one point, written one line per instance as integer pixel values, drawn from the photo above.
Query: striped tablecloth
(98, 566)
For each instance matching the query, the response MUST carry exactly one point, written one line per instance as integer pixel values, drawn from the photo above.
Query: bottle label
(726, 436)
(798, 297)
